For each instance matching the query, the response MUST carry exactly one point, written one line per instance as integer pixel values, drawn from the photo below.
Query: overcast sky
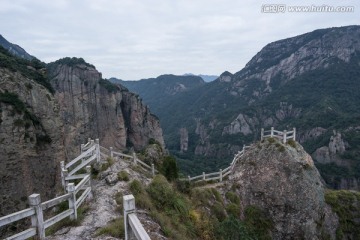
(134, 39)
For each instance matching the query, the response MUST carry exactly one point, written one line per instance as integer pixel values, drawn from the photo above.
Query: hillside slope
(47, 111)
(306, 82)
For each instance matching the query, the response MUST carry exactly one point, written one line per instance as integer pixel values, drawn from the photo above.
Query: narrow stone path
(103, 207)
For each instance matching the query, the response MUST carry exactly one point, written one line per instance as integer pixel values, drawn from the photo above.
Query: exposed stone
(311, 134)
(336, 144)
(111, 179)
(283, 182)
(90, 110)
(322, 155)
(184, 140)
(31, 148)
(239, 125)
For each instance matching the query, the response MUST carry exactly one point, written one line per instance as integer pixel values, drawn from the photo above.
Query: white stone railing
(136, 161)
(284, 135)
(36, 209)
(221, 174)
(133, 227)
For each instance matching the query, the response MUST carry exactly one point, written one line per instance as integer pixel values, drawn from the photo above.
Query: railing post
(111, 152)
(189, 178)
(65, 173)
(37, 220)
(204, 176)
(152, 169)
(97, 150)
(294, 133)
(62, 166)
(284, 136)
(72, 200)
(91, 142)
(129, 207)
(262, 134)
(88, 171)
(220, 175)
(82, 148)
(272, 132)
(244, 148)
(134, 158)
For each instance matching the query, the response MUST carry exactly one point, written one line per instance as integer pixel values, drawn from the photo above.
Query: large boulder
(281, 179)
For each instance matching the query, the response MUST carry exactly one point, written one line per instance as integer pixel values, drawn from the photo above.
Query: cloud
(139, 39)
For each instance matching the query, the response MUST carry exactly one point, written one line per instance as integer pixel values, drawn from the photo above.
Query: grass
(123, 176)
(109, 162)
(114, 228)
(346, 204)
(67, 222)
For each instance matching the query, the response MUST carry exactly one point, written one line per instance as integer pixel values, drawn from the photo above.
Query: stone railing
(133, 228)
(136, 161)
(284, 135)
(221, 174)
(37, 208)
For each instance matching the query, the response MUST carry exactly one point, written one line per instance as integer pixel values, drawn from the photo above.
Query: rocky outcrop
(293, 56)
(330, 153)
(283, 181)
(184, 140)
(95, 108)
(31, 138)
(239, 125)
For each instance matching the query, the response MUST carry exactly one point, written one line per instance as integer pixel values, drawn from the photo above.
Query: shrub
(114, 228)
(346, 204)
(169, 168)
(136, 187)
(123, 176)
(291, 143)
(232, 228)
(233, 197)
(233, 209)
(257, 222)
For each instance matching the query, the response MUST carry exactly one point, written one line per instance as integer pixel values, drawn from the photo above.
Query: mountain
(156, 91)
(48, 110)
(307, 82)
(206, 78)
(14, 49)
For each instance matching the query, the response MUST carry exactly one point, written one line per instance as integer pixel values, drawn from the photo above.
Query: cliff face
(281, 179)
(31, 138)
(94, 108)
(41, 124)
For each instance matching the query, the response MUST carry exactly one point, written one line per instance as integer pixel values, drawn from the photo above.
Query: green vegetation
(109, 86)
(109, 162)
(28, 118)
(67, 221)
(71, 62)
(169, 168)
(199, 213)
(346, 204)
(123, 176)
(30, 69)
(114, 228)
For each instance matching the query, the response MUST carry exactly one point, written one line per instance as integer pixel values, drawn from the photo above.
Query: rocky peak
(225, 77)
(309, 51)
(282, 180)
(96, 108)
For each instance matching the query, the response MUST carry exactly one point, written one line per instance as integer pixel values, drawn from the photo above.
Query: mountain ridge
(306, 81)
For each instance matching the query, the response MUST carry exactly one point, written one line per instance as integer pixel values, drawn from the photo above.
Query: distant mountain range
(14, 49)
(309, 82)
(206, 78)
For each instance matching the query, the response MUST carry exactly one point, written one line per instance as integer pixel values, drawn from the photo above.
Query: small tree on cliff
(169, 168)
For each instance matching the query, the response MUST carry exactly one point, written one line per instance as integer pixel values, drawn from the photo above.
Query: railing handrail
(36, 207)
(81, 156)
